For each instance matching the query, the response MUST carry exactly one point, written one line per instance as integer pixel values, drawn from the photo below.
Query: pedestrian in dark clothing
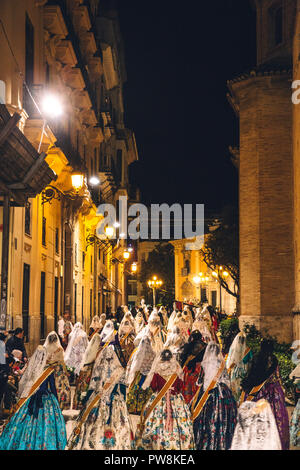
(17, 342)
(119, 314)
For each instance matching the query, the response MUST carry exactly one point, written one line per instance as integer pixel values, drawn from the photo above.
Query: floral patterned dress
(238, 373)
(61, 378)
(127, 345)
(136, 396)
(169, 425)
(190, 381)
(82, 384)
(107, 425)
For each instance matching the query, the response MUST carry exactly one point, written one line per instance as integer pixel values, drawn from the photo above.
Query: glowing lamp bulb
(77, 180)
(94, 180)
(51, 106)
(109, 231)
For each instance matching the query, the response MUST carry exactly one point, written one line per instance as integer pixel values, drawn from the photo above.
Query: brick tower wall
(266, 204)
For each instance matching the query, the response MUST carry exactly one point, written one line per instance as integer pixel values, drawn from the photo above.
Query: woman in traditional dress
(104, 424)
(174, 341)
(139, 322)
(187, 313)
(37, 423)
(190, 358)
(83, 380)
(139, 366)
(256, 428)
(171, 320)
(200, 325)
(238, 363)
(55, 358)
(182, 320)
(206, 316)
(163, 317)
(214, 410)
(78, 343)
(126, 335)
(166, 420)
(67, 329)
(95, 326)
(263, 381)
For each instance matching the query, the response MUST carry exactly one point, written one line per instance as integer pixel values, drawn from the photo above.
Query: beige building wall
(54, 53)
(185, 288)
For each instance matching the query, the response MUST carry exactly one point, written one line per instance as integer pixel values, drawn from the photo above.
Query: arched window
(276, 24)
(187, 265)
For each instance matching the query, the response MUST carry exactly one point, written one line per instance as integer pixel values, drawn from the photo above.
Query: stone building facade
(70, 49)
(190, 264)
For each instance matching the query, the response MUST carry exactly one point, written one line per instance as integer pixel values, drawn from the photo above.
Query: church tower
(262, 100)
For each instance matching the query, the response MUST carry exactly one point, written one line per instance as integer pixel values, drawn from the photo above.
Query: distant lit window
(76, 255)
(28, 218)
(44, 221)
(56, 240)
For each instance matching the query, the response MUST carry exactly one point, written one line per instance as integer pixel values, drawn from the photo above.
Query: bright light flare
(94, 180)
(52, 106)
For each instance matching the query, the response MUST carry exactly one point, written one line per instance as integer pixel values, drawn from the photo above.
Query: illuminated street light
(134, 268)
(77, 180)
(109, 231)
(94, 181)
(126, 255)
(220, 274)
(154, 284)
(51, 106)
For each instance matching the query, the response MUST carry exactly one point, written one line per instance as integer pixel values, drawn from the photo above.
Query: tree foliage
(221, 248)
(160, 262)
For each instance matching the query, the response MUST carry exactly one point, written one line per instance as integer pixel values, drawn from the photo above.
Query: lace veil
(78, 342)
(163, 368)
(211, 363)
(35, 367)
(237, 350)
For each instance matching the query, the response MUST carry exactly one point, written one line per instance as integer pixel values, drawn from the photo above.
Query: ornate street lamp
(220, 274)
(154, 284)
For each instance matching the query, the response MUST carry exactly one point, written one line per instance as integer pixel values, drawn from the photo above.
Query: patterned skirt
(82, 385)
(136, 396)
(158, 435)
(107, 426)
(47, 431)
(214, 427)
(63, 388)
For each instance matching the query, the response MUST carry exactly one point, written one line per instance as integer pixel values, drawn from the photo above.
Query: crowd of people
(145, 379)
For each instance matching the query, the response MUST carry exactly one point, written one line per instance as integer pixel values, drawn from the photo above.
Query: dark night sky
(178, 59)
